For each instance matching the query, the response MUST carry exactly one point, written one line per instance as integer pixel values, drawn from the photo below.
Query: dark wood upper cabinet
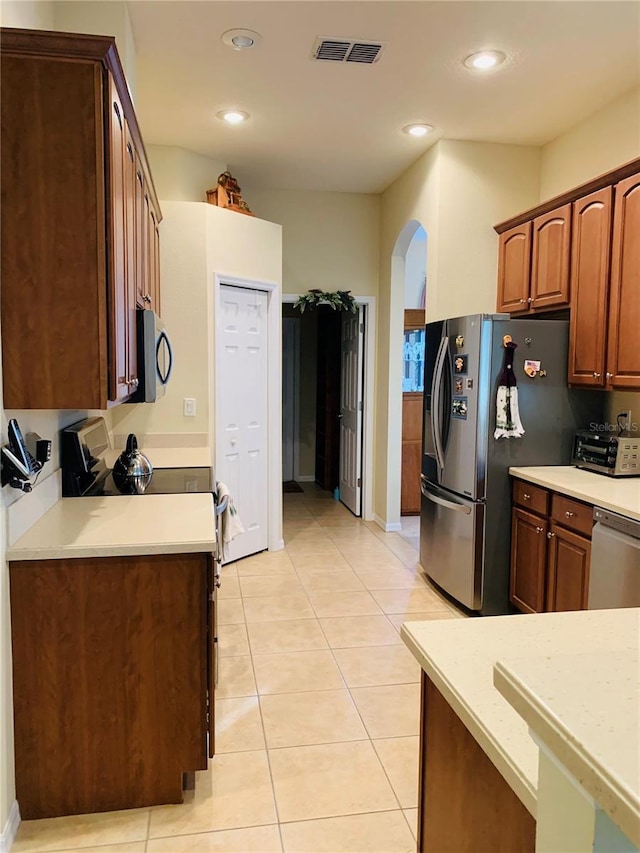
(514, 266)
(590, 258)
(623, 356)
(68, 317)
(550, 259)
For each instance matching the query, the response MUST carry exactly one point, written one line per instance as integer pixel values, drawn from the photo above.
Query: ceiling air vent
(341, 50)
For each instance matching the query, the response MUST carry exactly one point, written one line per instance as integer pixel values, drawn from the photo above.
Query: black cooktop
(164, 481)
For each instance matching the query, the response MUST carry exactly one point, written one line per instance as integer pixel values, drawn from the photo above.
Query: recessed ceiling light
(484, 60)
(233, 116)
(417, 129)
(241, 39)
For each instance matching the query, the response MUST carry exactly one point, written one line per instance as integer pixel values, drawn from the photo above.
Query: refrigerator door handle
(436, 421)
(436, 499)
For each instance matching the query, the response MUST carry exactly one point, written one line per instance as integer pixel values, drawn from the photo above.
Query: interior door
(241, 403)
(351, 404)
(290, 328)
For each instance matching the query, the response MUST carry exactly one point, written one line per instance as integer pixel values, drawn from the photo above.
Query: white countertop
(585, 708)
(120, 526)
(459, 657)
(619, 494)
(170, 457)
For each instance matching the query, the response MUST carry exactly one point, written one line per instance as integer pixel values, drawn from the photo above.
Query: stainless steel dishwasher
(614, 575)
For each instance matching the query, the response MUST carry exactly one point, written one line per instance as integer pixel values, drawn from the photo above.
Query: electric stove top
(164, 481)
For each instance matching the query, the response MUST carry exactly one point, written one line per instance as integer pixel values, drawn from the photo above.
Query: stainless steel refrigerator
(465, 525)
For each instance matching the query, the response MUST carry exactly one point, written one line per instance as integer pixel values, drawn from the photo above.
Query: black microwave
(155, 357)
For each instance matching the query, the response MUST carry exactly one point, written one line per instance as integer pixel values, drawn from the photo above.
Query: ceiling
(338, 126)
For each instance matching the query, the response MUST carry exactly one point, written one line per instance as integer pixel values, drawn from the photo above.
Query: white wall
(415, 271)
(182, 175)
(604, 140)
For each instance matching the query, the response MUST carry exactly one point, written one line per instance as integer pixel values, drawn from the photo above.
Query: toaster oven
(613, 455)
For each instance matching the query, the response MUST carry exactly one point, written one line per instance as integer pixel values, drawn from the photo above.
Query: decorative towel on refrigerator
(508, 423)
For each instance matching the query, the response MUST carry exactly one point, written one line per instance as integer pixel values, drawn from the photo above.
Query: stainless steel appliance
(155, 357)
(465, 524)
(614, 455)
(614, 571)
(132, 471)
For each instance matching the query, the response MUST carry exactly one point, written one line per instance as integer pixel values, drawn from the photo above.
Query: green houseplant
(340, 300)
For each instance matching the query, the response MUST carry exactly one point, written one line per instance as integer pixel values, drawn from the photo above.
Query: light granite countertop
(459, 657)
(585, 708)
(120, 526)
(618, 494)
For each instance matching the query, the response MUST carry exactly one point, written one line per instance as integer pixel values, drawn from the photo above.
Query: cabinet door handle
(569, 514)
(523, 300)
(609, 376)
(147, 298)
(526, 497)
(550, 535)
(539, 529)
(530, 299)
(596, 375)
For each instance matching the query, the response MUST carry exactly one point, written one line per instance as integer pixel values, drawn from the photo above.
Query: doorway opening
(327, 424)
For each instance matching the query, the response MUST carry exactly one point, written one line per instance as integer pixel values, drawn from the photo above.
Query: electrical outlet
(189, 407)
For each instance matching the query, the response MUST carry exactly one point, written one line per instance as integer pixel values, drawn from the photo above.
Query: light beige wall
(24, 14)
(601, 142)
(198, 240)
(182, 175)
(623, 401)
(101, 18)
(415, 270)
(330, 240)
(457, 191)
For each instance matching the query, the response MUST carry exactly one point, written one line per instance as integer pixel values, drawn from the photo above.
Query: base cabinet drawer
(550, 551)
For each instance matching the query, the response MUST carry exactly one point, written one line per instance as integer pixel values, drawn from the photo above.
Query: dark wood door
(411, 452)
(550, 259)
(464, 804)
(119, 388)
(623, 356)
(590, 264)
(109, 662)
(514, 264)
(328, 398)
(568, 581)
(528, 561)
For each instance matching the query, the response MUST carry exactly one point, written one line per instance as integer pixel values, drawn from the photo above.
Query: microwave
(155, 357)
(613, 455)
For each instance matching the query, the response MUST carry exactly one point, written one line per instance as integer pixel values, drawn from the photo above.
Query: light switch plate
(189, 407)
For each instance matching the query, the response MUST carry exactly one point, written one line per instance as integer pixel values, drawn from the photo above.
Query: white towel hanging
(230, 524)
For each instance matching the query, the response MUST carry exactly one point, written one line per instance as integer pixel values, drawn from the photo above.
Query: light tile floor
(317, 706)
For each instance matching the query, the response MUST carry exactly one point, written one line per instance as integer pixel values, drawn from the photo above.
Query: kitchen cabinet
(72, 260)
(464, 805)
(533, 264)
(623, 352)
(550, 550)
(114, 662)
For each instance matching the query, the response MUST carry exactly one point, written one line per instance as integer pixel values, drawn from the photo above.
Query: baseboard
(305, 478)
(10, 828)
(395, 527)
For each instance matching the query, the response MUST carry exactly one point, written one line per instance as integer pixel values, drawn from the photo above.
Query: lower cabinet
(550, 550)
(113, 661)
(465, 805)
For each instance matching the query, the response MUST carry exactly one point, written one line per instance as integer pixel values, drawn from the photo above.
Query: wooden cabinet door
(623, 356)
(590, 259)
(156, 252)
(411, 453)
(514, 260)
(528, 561)
(568, 582)
(153, 261)
(550, 259)
(118, 298)
(131, 258)
(141, 236)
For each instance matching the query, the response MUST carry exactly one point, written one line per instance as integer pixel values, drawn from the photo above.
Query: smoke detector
(347, 50)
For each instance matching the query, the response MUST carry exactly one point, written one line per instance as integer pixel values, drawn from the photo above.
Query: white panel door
(351, 385)
(241, 404)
